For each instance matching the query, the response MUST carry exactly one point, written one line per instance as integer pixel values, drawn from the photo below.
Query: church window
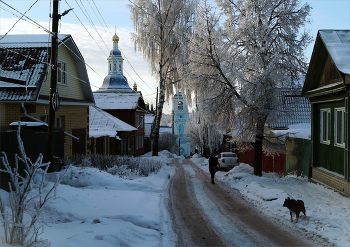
(115, 67)
(110, 67)
(120, 67)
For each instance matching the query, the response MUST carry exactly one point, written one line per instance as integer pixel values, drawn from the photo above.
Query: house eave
(329, 89)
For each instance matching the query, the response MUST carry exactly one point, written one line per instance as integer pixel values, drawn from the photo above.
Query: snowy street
(227, 220)
(95, 208)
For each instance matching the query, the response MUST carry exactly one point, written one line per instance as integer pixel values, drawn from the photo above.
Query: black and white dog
(294, 206)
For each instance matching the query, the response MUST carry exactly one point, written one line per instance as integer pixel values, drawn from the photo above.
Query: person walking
(213, 163)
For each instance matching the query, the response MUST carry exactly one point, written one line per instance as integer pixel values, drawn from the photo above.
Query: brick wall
(332, 180)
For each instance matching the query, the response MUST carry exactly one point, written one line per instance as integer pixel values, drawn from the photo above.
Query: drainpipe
(31, 117)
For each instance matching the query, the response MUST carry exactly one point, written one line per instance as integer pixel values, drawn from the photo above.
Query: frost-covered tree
(202, 132)
(168, 141)
(160, 26)
(28, 195)
(237, 67)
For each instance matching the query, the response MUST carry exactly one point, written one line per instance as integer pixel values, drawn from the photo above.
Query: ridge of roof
(337, 43)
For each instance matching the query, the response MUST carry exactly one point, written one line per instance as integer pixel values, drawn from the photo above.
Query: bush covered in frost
(122, 166)
(22, 217)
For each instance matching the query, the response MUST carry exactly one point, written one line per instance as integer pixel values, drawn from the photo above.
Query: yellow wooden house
(25, 84)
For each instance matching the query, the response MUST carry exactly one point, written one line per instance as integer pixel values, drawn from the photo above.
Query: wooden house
(109, 135)
(327, 84)
(128, 107)
(25, 83)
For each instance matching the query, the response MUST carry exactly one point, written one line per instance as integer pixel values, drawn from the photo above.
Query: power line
(30, 20)
(120, 49)
(51, 66)
(48, 31)
(18, 19)
(90, 20)
(86, 29)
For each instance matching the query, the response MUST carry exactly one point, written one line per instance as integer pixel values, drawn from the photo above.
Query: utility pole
(53, 98)
(53, 82)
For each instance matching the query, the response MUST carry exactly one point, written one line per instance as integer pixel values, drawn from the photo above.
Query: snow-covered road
(234, 222)
(95, 208)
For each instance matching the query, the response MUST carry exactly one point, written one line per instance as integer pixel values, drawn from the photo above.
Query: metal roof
(24, 62)
(338, 45)
(102, 123)
(293, 109)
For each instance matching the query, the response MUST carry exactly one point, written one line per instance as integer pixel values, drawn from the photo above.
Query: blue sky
(325, 14)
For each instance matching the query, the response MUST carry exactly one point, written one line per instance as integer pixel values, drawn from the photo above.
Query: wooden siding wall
(74, 117)
(332, 180)
(330, 73)
(2, 115)
(73, 88)
(330, 156)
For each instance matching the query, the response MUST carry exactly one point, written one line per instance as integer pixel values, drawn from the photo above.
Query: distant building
(180, 118)
(117, 98)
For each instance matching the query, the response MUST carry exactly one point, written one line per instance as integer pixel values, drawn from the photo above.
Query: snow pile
(95, 208)
(327, 212)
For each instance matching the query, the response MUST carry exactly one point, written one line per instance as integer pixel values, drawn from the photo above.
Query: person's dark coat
(213, 161)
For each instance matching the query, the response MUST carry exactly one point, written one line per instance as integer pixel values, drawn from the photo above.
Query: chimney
(152, 108)
(147, 107)
(134, 87)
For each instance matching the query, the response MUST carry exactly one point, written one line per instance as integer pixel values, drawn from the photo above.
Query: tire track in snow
(231, 232)
(243, 216)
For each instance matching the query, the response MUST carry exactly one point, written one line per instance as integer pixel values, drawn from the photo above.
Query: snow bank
(302, 130)
(95, 208)
(327, 212)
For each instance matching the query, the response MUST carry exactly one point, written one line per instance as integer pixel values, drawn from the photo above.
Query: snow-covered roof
(338, 45)
(293, 108)
(301, 130)
(24, 63)
(102, 123)
(30, 40)
(149, 118)
(28, 124)
(165, 129)
(116, 100)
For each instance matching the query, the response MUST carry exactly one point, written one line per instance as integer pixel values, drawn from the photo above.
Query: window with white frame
(61, 73)
(325, 125)
(141, 122)
(339, 127)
